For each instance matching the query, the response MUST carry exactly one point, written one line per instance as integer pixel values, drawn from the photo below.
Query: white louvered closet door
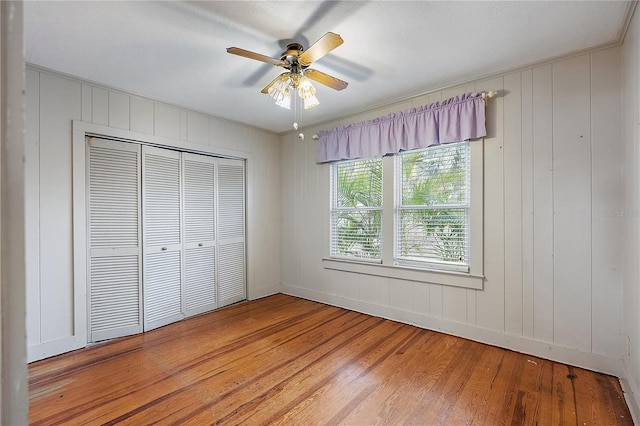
(199, 234)
(114, 271)
(162, 236)
(231, 232)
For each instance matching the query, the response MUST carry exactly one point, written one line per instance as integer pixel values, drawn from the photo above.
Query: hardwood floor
(284, 360)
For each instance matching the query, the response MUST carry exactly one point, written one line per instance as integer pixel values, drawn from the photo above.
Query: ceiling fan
(297, 60)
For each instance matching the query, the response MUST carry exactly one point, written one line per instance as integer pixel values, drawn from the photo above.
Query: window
(416, 215)
(432, 215)
(356, 209)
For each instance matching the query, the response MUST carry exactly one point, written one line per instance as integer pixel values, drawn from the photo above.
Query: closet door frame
(80, 131)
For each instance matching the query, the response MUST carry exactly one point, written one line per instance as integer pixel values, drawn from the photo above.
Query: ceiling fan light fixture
(280, 93)
(284, 101)
(297, 60)
(307, 92)
(310, 102)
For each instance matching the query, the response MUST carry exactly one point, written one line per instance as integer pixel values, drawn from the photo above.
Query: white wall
(631, 216)
(53, 101)
(552, 227)
(13, 370)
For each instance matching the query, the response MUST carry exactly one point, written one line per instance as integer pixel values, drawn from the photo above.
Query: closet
(166, 236)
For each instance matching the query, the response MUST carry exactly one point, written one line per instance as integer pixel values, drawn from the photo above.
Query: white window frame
(334, 209)
(473, 279)
(427, 263)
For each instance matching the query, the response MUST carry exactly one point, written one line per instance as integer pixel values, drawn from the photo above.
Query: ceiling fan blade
(326, 44)
(256, 56)
(284, 77)
(326, 79)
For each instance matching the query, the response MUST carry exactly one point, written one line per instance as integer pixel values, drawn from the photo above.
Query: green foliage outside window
(432, 212)
(433, 218)
(357, 218)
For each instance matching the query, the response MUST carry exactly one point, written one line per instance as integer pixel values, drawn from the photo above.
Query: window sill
(455, 279)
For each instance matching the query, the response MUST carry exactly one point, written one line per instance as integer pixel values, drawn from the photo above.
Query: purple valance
(454, 120)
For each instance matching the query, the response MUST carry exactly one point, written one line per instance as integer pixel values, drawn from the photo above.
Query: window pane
(432, 222)
(356, 210)
(357, 233)
(436, 176)
(359, 183)
(433, 235)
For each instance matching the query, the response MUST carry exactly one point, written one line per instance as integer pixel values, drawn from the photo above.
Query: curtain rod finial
(489, 94)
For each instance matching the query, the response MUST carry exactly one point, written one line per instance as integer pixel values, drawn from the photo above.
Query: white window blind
(432, 221)
(356, 209)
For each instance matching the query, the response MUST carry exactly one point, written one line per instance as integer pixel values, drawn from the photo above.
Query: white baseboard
(259, 293)
(56, 347)
(540, 349)
(631, 395)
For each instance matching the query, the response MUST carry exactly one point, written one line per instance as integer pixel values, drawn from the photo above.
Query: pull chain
(295, 116)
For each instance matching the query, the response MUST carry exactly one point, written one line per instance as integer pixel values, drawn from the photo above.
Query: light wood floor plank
(285, 360)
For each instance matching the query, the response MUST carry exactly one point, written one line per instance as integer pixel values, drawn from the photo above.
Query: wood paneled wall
(53, 101)
(552, 226)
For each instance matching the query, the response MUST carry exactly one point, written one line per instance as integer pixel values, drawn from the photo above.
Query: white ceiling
(176, 51)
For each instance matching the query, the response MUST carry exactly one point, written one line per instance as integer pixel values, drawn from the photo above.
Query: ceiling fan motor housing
(291, 55)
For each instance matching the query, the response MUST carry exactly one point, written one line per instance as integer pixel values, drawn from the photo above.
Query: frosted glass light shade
(308, 93)
(284, 101)
(279, 91)
(310, 102)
